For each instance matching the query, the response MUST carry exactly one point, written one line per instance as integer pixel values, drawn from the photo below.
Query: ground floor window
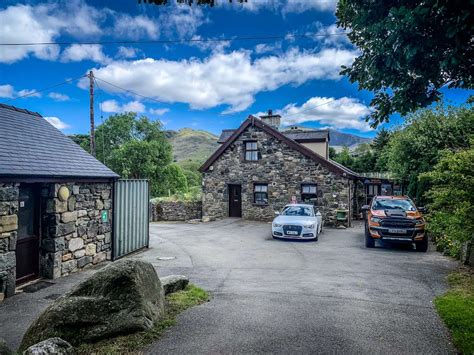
(260, 194)
(309, 192)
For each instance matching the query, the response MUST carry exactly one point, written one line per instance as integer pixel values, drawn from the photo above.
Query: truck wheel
(422, 245)
(369, 241)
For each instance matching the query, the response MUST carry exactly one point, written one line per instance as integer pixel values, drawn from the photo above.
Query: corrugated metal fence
(131, 216)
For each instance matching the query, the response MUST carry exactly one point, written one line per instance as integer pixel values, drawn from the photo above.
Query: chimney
(271, 119)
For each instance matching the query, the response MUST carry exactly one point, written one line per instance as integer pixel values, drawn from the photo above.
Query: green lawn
(456, 308)
(133, 343)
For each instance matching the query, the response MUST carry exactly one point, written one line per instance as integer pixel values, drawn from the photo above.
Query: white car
(297, 221)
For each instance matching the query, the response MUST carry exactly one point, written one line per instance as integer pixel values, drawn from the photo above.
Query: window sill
(260, 204)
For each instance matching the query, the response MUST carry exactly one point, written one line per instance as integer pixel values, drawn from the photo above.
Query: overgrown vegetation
(456, 308)
(175, 304)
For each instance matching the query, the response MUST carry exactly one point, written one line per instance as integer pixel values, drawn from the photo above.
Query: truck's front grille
(397, 223)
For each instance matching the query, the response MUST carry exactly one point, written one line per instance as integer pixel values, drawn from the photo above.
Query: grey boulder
(49, 347)
(124, 297)
(174, 283)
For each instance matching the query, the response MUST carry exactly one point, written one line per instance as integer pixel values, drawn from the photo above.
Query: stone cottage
(259, 169)
(55, 202)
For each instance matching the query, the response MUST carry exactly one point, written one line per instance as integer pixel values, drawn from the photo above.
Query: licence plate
(397, 231)
(292, 232)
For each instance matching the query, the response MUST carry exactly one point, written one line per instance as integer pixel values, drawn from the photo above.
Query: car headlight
(376, 219)
(277, 225)
(309, 226)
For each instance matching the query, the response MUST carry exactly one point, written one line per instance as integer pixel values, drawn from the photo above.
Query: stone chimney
(271, 119)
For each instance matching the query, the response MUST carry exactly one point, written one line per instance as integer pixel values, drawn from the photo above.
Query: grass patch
(456, 308)
(175, 303)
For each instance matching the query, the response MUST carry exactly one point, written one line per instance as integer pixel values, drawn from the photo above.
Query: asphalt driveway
(333, 296)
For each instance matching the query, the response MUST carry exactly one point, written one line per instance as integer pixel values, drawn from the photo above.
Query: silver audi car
(297, 221)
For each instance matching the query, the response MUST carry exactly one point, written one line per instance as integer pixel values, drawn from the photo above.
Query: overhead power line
(188, 40)
(34, 92)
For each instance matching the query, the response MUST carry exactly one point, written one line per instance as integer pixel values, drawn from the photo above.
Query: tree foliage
(173, 180)
(451, 198)
(416, 148)
(409, 49)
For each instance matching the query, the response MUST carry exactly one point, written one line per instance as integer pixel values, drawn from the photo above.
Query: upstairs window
(309, 192)
(260, 194)
(251, 151)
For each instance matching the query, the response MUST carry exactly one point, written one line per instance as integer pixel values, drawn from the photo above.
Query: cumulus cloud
(114, 107)
(80, 52)
(127, 52)
(181, 20)
(56, 122)
(231, 79)
(330, 35)
(288, 6)
(159, 111)
(135, 27)
(345, 112)
(8, 91)
(263, 48)
(56, 96)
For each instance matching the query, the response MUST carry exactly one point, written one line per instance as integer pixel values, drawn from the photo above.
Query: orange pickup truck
(395, 219)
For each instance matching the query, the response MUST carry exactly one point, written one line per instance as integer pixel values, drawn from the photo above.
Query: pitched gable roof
(30, 146)
(254, 121)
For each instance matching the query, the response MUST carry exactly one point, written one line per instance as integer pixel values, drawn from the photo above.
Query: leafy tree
(82, 140)
(410, 49)
(345, 158)
(451, 199)
(416, 148)
(379, 145)
(173, 180)
(332, 153)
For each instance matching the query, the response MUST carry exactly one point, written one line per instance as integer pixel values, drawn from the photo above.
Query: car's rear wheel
(369, 241)
(422, 245)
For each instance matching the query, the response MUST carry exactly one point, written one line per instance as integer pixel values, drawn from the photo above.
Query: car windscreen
(298, 211)
(393, 204)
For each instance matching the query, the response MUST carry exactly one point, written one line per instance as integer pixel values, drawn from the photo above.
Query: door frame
(230, 188)
(37, 226)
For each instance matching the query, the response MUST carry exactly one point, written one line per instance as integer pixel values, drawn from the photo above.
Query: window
(251, 151)
(372, 190)
(309, 192)
(260, 194)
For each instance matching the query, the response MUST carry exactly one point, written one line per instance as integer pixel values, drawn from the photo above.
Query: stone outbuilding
(259, 169)
(56, 202)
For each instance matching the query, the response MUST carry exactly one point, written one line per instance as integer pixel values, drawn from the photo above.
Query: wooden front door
(27, 247)
(235, 201)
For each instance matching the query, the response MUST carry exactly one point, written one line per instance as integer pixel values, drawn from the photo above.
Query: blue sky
(202, 85)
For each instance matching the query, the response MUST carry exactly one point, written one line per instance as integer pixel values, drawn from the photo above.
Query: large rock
(52, 346)
(124, 297)
(174, 283)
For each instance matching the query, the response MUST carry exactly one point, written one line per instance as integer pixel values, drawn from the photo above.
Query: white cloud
(8, 91)
(181, 20)
(231, 79)
(263, 48)
(58, 96)
(135, 27)
(159, 111)
(287, 6)
(330, 35)
(80, 52)
(56, 122)
(345, 112)
(115, 107)
(127, 52)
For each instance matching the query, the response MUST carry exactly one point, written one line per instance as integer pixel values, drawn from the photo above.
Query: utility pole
(91, 100)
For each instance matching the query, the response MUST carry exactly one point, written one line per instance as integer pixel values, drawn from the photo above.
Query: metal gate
(131, 216)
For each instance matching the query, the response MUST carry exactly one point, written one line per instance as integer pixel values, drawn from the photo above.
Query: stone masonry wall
(74, 235)
(8, 236)
(282, 168)
(175, 211)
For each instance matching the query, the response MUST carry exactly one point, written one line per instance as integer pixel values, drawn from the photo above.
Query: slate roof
(301, 136)
(31, 147)
(254, 121)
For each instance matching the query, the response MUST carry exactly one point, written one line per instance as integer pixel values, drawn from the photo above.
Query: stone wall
(74, 235)
(8, 236)
(175, 211)
(282, 168)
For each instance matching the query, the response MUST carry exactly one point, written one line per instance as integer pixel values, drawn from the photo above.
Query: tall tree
(409, 50)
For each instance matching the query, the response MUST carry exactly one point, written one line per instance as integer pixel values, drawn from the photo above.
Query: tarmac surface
(272, 296)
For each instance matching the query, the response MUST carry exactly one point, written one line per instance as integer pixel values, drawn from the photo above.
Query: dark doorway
(235, 201)
(27, 246)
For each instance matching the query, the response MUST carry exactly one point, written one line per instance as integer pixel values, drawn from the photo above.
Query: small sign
(22, 203)
(105, 216)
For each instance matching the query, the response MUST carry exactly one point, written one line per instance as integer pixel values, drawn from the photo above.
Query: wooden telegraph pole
(91, 100)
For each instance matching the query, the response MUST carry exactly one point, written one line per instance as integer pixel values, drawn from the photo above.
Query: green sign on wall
(105, 216)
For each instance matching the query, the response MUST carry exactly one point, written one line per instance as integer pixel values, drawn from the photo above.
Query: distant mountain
(345, 139)
(191, 144)
(198, 145)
